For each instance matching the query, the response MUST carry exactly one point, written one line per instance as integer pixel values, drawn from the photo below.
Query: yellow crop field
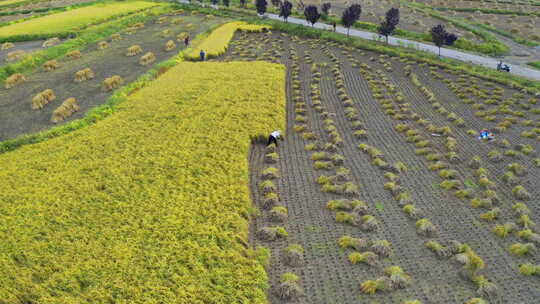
(71, 20)
(216, 44)
(148, 205)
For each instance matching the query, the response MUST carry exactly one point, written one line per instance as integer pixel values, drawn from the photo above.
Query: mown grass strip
(216, 44)
(69, 22)
(151, 204)
(88, 36)
(535, 64)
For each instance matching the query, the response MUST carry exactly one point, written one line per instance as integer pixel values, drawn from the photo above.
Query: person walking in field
(274, 136)
(186, 41)
(334, 26)
(202, 54)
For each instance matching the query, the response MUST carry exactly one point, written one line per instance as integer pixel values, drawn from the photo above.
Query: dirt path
(16, 115)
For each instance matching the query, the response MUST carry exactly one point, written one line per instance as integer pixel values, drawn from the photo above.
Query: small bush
(504, 230)
(521, 193)
(271, 158)
(270, 200)
(450, 184)
(51, 65)
(102, 45)
(14, 80)
(68, 107)
(170, 45)
(517, 169)
(50, 42)
(520, 208)
(520, 249)
(491, 215)
(529, 269)
(475, 162)
(372, 286)
(42, 98)
(267, 186)
(353, 243)
(367, 257)
(438, 249)
(381, 248)
(147, 59)
(133, 50)
(272, 233)
(278, 214)
(368, 223)
(270, 173)
(7, 46)
(74, 54)
(288, 289)
(293, 255)
(526, 222)
(323, 165)
(111, 83)
(484, 286)
(15, 56)
(84, 74)
(398, 278)
(425, 227)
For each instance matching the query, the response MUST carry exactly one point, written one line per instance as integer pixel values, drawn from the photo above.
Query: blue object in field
(484, 134)
(202, 54)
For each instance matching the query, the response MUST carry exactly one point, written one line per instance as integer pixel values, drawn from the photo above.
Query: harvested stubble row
(185, 208)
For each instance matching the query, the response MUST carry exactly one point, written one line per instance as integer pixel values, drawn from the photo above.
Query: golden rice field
(57, 24)
(216, 43)
(149, 205)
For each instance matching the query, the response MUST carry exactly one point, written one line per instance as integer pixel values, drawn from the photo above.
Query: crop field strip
(61, 24)
(104, 63)
(378, 134)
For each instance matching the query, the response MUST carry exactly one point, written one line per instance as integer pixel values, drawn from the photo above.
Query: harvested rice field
(103, 62)
(381, 167)
(133, 172)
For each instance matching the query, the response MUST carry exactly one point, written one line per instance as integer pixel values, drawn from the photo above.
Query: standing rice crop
(138, 201)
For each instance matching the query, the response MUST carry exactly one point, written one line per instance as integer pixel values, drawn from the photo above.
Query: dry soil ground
(16, 115)
(327, 276)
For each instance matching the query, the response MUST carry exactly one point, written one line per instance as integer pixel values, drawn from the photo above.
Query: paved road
(450, 53)
(489, 62)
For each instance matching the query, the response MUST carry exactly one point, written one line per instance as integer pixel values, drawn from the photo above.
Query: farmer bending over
(202, 54)
(485, 134)
(274, 136)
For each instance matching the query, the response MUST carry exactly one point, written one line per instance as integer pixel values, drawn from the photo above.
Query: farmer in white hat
(274, 136)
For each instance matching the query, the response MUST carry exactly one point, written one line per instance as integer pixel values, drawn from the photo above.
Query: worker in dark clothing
(274, 136)
(203, 55)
